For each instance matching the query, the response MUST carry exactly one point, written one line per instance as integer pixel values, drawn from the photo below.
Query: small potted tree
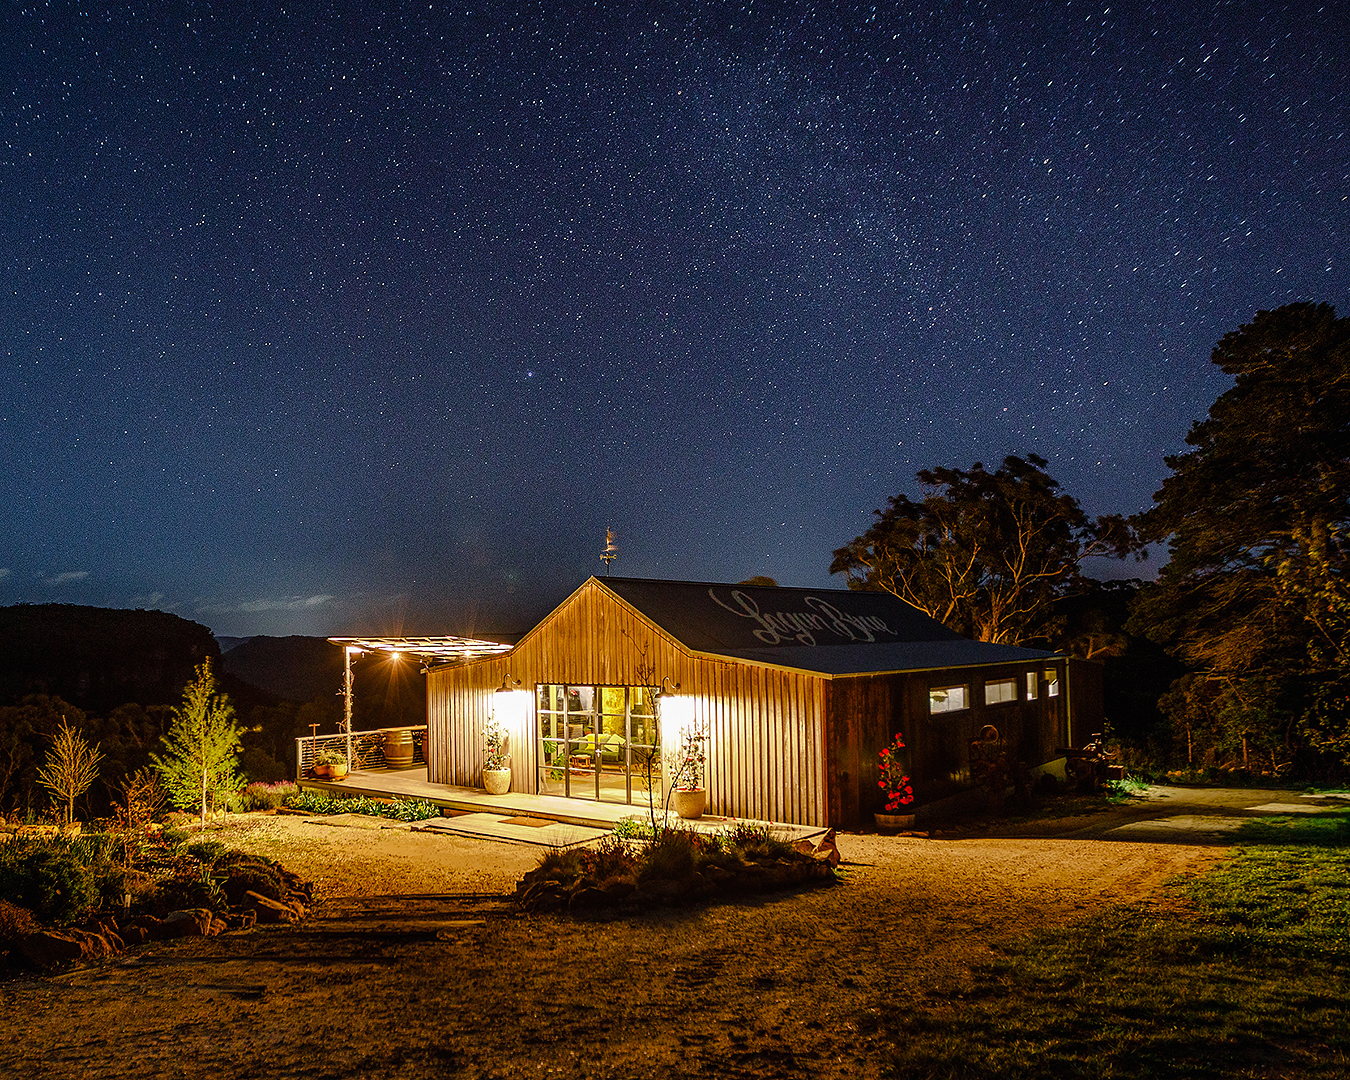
(497, 763)
(330, 765)
(894, 781)
(690, 797)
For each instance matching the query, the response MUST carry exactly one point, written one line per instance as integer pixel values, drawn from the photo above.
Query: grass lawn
(1246, 975)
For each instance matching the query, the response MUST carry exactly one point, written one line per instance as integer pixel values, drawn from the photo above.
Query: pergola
(430, 650)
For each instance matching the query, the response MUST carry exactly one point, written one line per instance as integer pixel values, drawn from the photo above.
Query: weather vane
(611, 551)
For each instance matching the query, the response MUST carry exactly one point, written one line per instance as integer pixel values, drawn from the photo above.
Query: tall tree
(1254, 597)
(986, 553)
(201, 749)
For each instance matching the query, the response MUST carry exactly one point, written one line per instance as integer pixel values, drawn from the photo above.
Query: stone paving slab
(1181, 825)
(513, 829)
(1291, 808)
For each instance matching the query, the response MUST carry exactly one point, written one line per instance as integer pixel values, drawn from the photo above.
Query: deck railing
(362, 749)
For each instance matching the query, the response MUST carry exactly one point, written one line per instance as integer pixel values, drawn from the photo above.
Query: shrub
(52, 878)
(671, 856)
(250, 873)
(634, 828)
(259, 796)
(206, 851)
(612, 857)
(756, 842)
(313, 802)
(565, 864)
(192, 885)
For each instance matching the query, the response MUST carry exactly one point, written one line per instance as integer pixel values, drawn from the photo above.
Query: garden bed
(675, 866)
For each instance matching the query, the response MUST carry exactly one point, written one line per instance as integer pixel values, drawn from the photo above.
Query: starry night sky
(361, 319)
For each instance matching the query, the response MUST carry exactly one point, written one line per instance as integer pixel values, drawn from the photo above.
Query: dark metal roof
(878, 659)
(830, 631)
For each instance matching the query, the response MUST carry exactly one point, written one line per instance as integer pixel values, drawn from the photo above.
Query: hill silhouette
(98, 658)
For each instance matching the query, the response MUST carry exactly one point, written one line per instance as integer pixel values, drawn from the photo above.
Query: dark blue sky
(329, 321)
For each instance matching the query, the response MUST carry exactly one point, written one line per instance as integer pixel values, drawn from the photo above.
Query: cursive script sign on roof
(822, 617)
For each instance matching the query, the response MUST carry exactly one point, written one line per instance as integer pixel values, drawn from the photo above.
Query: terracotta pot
(330, 772)
(690, 804)
(497, 781)
(894, 822)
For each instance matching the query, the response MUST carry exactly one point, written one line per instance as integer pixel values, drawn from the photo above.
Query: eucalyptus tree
(986, 553)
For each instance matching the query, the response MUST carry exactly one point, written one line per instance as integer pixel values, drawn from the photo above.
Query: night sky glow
(318, 323)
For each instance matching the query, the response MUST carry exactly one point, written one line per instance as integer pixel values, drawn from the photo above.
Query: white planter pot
(690, 804)
(497, 781)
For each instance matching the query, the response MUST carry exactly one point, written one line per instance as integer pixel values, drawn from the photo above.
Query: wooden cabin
(796, 691)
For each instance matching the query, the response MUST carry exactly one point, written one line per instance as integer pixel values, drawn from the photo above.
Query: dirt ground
(413, 966)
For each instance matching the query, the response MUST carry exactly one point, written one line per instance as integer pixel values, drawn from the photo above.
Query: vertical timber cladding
(766, 749)
(865, 712)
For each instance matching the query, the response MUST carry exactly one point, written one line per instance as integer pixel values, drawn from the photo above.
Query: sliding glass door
(598, 742)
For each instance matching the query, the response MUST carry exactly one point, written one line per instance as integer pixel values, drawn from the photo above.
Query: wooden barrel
(398, 749)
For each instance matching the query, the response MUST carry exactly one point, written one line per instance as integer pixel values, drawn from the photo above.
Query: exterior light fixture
(667, 688)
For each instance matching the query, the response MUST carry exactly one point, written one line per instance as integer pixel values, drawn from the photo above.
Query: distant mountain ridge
(297, 668)
(99, 658)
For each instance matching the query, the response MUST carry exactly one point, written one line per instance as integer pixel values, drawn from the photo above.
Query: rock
(270, 911)
(828, 849)
(135, 935)
(153, 927)
(218, 927)
(191, 922)
(47, 948)
(242, 921)
(100, 924)
(587, 898)
(619, 888)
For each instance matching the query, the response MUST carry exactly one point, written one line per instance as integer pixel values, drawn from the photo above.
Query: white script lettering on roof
(801, 626)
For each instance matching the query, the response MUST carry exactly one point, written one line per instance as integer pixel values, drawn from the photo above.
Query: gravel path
(414, 986)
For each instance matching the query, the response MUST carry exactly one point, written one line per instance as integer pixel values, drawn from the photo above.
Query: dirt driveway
(388, 980)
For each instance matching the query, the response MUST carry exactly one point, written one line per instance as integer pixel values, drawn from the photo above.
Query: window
(946, 699)
(1051, 682)
(1032, 686)
(1000, 690)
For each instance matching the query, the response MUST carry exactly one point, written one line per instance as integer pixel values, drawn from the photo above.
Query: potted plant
(497, 764)
(689, 797)
(330, 765)
(894, 781)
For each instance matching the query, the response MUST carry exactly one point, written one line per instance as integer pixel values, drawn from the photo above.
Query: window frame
(1009, 683)
(946, 708)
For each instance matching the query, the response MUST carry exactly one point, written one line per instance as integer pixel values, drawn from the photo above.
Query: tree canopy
(1254, 597)
(986, 553)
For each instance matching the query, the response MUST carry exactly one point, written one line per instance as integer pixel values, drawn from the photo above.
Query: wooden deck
(413, 784)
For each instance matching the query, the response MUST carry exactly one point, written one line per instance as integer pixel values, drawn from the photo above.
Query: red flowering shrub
(894, 780)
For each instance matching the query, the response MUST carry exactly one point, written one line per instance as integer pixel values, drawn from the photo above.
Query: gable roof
(827, 631)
